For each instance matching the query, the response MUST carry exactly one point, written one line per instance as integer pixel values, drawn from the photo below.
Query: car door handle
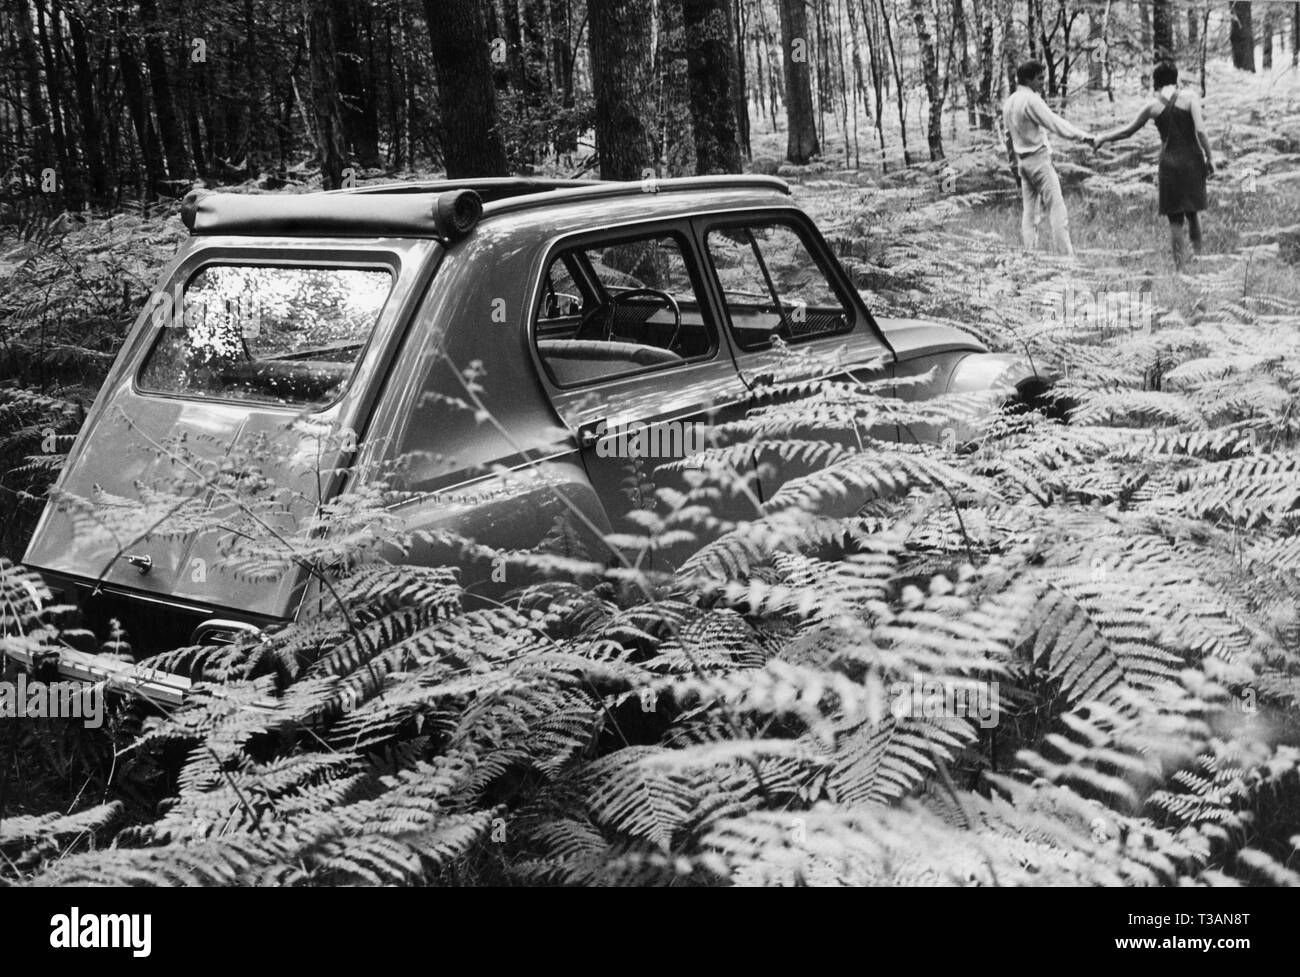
(590, 433)
(763, 379)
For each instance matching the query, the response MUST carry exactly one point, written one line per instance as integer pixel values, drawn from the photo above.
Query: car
(480, 330)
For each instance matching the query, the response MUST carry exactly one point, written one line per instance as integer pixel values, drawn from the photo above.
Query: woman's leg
(1177, 240)
(1194, 230)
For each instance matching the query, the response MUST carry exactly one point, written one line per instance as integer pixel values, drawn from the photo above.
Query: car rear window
(265, 333)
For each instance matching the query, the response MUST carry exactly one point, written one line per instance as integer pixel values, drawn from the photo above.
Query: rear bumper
(160, 688)
(151, 625)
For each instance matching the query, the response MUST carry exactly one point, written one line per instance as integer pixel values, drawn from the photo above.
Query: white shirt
(1026, 116)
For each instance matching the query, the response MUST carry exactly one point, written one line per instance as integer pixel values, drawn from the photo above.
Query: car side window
(773, 285)
(612, 308)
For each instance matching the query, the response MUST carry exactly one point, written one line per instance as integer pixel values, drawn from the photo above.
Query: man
(1028, 120)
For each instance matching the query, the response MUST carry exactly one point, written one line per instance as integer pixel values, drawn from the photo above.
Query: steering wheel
(616, 297)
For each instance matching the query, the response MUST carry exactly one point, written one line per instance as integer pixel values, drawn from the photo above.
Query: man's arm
(1037, 110)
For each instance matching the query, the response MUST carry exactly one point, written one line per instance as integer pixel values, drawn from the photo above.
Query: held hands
(1097, 142)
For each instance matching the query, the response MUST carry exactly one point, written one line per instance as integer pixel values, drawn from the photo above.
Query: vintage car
(587, 312)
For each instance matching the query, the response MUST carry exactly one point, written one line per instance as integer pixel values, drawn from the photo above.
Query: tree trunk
(164, 100)
(801, 138)
(988, 62)
(73, 187)
(739, 94)
(962, 38)
(898, 79)
(326, 105)
(1162, 30)
(1193, 28)
(533, 28)
(41, 137)
(675, 138)
(933, 86)
(92, 133)
(256, 154)
(709, 60)
(1295, 34)
(1268, 38)
(562, 64)
(471, 139)
(360, 124)
(137, 103)
(1241, 36)
(619, 34)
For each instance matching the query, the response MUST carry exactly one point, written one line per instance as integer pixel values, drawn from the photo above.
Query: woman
(1185, 159)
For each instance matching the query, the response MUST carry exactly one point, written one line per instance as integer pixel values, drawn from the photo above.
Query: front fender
(1013, 373)
(1004, 377)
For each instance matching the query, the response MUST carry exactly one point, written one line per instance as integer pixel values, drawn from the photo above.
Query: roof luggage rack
(488, 188)
(445, 209)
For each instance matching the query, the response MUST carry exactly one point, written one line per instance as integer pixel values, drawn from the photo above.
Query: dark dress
(1182, 163)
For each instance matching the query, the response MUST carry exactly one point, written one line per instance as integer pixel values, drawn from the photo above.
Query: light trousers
(1040, 194)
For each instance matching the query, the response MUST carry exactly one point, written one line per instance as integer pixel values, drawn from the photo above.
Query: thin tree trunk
(41, 137)
(72, 185)
(988, 62)
(962, 39)
(164, 101)
(675, 137)
(739, 94)
(933, 86)
(92, 133)
(360, 125)
(1268, 38)
(877, 73)
(1205, 42)
(562, 64)
(137, 103)
(898, 80)
(1295, 34)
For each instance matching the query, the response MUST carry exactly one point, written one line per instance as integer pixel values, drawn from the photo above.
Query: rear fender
(548, 508)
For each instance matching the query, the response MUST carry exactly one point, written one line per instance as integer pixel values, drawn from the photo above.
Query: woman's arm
(1201, 137)
(1125, 131)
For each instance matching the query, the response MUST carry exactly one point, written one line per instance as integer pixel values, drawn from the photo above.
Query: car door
(630, 351)
(791, 315)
